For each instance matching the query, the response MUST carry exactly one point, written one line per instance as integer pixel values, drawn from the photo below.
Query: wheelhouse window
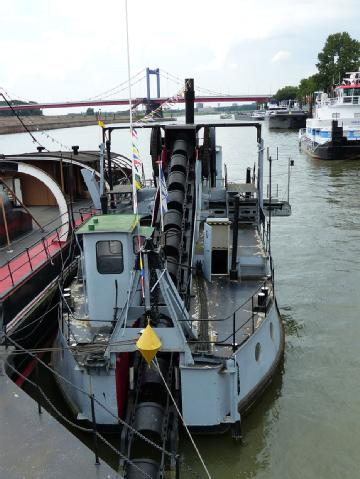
(352, 92)
(109, 257)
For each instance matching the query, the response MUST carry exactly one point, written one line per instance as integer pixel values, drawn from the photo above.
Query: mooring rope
(182, 419)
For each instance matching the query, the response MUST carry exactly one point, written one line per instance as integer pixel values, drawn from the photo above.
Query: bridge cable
(176, 79)
(99, 95)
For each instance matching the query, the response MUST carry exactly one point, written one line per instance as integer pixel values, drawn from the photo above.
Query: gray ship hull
(289, 121)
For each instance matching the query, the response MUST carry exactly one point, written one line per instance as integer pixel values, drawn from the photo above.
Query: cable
(155, 361)
(67, 381)
(168, 102)
(22, 123)
(30, 121)
(120, 90)
(73, 424)
(100, 95)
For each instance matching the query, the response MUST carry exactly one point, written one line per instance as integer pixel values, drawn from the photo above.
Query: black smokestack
(189, 100)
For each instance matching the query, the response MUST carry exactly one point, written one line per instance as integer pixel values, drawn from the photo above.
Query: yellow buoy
(148, 344)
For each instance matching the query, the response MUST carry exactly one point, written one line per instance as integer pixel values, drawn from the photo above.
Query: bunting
(142, 275)
(171, 101)
(136, 160)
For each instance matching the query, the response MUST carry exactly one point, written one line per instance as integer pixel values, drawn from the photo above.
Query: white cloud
(60, 49)
(281, 56)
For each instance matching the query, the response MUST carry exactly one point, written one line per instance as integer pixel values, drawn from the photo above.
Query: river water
(307, 424)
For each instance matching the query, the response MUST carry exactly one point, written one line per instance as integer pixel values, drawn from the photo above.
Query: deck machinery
(200, 274)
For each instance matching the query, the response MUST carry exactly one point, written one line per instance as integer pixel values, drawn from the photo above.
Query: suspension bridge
(108, 97)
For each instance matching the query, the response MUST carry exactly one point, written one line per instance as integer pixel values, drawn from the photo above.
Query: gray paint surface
(34, 446)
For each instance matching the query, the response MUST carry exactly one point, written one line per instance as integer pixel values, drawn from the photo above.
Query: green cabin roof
(113, 223)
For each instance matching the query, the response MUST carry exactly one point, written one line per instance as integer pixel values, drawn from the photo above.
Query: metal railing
(251, 322)
(351, 100)
(29, 256)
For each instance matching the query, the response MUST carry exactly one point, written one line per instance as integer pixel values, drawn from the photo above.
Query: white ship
(334, 131)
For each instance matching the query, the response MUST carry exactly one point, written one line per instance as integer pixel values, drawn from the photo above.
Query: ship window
(109, 257)
(356, 115)
(335, 115)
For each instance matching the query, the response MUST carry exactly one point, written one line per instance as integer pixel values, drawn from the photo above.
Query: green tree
(307, 86)
(340, 54)
(287, 93)
(90, 111)
(34, 112)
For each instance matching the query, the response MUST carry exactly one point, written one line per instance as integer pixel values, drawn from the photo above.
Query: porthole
(257, 351)
(271, 326)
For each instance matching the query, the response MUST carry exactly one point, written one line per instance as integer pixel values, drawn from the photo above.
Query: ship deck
(219, 306)
(33, 249)
(216, 305)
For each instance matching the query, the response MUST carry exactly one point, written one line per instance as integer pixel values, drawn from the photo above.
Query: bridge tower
(152, 105)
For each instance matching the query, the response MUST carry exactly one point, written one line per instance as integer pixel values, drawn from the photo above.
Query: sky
(58, 50)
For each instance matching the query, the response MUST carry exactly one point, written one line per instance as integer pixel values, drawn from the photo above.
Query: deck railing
(29, 259)
(257, 304)
(350, 100)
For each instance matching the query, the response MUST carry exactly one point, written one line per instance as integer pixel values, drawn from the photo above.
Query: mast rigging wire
(22, 123)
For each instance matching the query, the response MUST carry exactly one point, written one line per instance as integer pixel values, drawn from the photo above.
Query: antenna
(133, 168)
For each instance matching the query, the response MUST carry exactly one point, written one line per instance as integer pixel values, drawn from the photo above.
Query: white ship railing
(348, 100)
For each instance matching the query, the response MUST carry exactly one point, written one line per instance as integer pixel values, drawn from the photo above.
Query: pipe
(233, 270)
(109, 168)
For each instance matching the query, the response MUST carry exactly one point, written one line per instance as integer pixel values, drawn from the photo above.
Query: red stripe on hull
(122, 380)
(39, 254)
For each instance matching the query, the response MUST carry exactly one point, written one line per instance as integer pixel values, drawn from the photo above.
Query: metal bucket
(172, 219)
(176, 200)
(176, 181)
(149, 417)
(178, 163)
(180, 147)
(148, 466)
(172, 242)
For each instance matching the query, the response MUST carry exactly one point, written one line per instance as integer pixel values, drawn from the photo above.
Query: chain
(125, 458)
(141, 436)
(119, 420)
(36, 386)
(73, 424)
